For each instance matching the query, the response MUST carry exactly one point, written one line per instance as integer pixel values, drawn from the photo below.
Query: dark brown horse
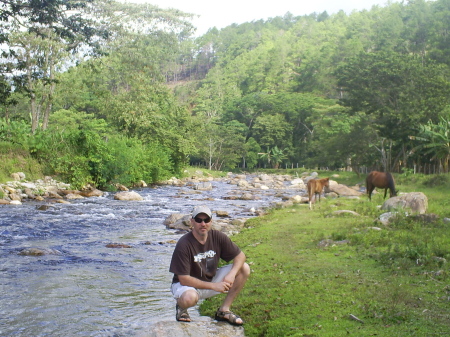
(315, 187)
(381, 180)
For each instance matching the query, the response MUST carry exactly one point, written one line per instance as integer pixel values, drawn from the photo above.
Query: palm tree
(274, 156)
(436, 141)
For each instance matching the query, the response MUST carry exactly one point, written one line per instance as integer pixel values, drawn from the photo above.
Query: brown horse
(315, 187)
(381, 180)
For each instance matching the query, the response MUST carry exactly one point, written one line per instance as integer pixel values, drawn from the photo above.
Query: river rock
(204, 186)
(72, 196)
(33, 251)
(222, 214)
(183, 223)
(172, 218)
(202, 327)
(15, 176)
(92, 193)
(141, 183)
(121, 187)
(128, 196)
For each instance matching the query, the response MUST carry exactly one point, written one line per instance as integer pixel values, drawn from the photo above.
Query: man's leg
(238, 284)
(186, 297)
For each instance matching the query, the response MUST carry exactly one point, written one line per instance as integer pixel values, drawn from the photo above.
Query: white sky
(222, 13)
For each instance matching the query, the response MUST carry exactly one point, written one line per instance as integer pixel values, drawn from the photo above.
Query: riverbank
(322, 273)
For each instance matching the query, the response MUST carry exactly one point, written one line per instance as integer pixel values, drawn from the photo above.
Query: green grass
(396, 280)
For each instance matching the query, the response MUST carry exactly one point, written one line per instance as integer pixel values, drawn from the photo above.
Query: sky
(222, 13)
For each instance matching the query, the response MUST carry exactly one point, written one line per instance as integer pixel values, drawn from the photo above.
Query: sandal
(182, 315)
(231, 318)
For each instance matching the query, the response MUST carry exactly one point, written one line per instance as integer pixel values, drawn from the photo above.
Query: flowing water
(89, 289)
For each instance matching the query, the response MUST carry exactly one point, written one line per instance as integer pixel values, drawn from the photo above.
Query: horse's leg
(369, 191)
(309, 197)
(385, 191)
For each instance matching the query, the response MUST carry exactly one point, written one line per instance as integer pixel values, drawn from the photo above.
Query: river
(89, 289)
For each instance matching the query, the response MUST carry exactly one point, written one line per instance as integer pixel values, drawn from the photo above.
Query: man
(194, 265)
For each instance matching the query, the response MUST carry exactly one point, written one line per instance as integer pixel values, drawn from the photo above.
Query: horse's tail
(391, 184)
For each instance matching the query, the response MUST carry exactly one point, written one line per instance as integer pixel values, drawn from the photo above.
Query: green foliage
(16, 132)
(78, 150)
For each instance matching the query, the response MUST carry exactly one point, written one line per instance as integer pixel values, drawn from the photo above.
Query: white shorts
(178, 289)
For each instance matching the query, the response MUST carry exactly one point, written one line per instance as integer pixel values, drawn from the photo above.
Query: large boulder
(343, 190)
(200, 327)
(415, 202)
(183, 222)
(128, 196)
(92, 193)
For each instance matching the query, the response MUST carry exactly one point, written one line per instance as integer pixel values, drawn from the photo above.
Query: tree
(398, 91)
(53, 31)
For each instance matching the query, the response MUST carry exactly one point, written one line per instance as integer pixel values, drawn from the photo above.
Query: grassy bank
(15, 159)
(312, 270)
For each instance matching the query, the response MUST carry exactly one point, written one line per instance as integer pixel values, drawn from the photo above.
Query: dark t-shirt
(192, 258)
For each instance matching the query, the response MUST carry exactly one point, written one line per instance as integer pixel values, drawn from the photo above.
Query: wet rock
(172, 218)
(72, 196)
(205, 186)
(54, 195)
(43, 207)
(39, 251)
(222, 214)
(204, 327)
(141, 183)
(118, 245)
(92, 193)
(128, 196)
(121, 187)
(183, 223)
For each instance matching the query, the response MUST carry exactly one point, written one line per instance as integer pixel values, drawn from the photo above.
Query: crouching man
(195, 267)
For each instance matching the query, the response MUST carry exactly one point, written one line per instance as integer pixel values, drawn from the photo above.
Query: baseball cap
(201, 209)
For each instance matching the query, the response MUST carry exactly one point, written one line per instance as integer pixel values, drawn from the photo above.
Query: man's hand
(222, 287)
(229, 278)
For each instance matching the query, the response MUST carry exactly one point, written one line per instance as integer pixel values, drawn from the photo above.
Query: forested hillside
(101, 92)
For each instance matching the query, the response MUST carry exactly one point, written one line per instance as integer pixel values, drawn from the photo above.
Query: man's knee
(188, 299)
(245, 270)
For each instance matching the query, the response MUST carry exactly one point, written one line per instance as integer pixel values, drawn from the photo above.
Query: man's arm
(220, 287)
(238, 262)
(191, 281)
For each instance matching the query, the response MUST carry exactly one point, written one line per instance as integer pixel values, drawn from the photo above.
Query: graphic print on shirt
(209, 257)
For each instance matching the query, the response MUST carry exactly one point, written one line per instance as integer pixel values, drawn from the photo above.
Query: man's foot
(182, 315)
(229, 316)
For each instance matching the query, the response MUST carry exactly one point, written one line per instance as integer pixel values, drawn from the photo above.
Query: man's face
(201, 228)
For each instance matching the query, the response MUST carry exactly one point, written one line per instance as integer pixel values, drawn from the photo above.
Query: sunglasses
(199, 220)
